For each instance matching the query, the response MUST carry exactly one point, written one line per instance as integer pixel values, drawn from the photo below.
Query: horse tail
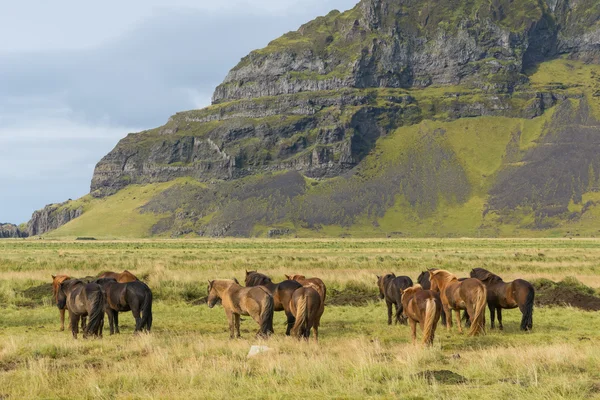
(478, 321)
(301, 316)
(147, 311)
(430, 322)
(97, 297)
(527, 310)
(266, 317)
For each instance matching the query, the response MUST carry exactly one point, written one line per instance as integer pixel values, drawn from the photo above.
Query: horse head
(213, 296)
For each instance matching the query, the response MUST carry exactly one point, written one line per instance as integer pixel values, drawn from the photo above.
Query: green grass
(189, 354)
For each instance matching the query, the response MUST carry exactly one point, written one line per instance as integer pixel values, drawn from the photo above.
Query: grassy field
(189, 354)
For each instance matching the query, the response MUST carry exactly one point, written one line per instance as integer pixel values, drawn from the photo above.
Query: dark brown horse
(305, 305)
(256, 302)
(281, 292)
(321, 289)
(133, 296)
(122, 277)
(56, 281)
(390, 289)
(83, 299)
(423, 307)
(500, 294)
(470, 295)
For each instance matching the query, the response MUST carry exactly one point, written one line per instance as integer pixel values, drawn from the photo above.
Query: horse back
(395, 288)
(283, 293)
(249, 300)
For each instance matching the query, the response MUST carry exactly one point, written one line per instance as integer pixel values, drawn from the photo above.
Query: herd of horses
(434, 297)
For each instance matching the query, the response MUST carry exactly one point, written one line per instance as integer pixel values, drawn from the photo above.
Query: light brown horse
(469, 294)
(305, 305)
(123, 277)
(500, 294)
(83, 299)
(423, 307)
(320, 287)
(256, 302)
(56, 281)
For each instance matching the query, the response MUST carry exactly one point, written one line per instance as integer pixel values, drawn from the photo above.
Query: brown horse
(423, 307)
(122, 277)
(56, 281)
(256, 302)
(500, 294)
(281, 292)
(320, 287)
(470, 295)
(390, 289)
(305, 305)
(83, 299)
(133, 296)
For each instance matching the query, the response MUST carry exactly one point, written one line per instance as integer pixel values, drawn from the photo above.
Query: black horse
(82, 300)
(281, 292)
(390, 289)
(133, 296)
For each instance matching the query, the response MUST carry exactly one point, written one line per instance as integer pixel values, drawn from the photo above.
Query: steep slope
(405, 117)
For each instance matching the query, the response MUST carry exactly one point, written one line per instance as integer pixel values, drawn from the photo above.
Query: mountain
(397, 118)
(11, 231)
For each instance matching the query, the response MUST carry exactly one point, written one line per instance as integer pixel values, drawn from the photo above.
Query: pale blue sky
(76, 76)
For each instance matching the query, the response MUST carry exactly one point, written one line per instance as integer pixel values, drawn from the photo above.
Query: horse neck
(443, 283)
(223, 287)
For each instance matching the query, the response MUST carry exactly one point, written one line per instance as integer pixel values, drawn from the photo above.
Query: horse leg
(74, 324)
(83, 323)
(413, 331)
(62, 319)
(290, 322)
(448, 313)
(500, 319)
(389, 308)
(236, 320)
(116, 315)
(231, 324)
(458, 321)
(492, 315)
(396, 316)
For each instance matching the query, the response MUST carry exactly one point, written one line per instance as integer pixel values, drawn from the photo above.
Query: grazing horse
(423, 307)
(256, 302)
(133, 296)
(390, 289)
(122, 277)
(281, 292)
(83, 299)
(500, 294)
(320, 287)
(306, 307)
(56, 281)
(469, 294)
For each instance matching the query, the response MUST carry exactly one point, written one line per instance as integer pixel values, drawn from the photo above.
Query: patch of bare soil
(568, 292)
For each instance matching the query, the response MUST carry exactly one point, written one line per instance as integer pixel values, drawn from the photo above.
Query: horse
(281, 292)
(390, 289)
(500, 294)
(305, 305)
(423, 307)
(56, 281)
(83, 299)
(320, 287)
(122, 277)
(469, 294)
(256, 302)
(133, 296)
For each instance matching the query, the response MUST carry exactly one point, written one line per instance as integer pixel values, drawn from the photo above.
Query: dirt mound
(444, 376)
(566, 292)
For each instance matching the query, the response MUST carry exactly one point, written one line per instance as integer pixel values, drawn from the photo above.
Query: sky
(76, 76)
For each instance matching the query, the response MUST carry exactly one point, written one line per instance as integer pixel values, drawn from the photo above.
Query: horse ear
(378, 277)
(236, 281)
(53, 277)
(393, 274)
(288, 277)
(247, 273)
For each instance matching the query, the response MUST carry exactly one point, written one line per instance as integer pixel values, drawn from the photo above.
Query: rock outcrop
(11, 231)
(51, 217)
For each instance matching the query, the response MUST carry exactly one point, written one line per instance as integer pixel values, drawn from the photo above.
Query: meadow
(189, 353)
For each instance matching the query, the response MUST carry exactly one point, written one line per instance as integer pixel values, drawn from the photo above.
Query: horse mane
(256, 279)
(444, 275)
(484, 275)
(412, 289)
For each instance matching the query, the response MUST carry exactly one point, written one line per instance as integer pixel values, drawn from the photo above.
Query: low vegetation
(189, 354)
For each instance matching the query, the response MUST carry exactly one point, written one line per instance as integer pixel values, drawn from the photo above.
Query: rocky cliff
(51, 217)
(407, 105)
(11, 231)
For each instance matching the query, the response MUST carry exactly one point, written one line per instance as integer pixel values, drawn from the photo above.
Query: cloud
(72, 88)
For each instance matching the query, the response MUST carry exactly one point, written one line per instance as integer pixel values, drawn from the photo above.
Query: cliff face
(11, 231)
(380, 108)
(51, 217)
